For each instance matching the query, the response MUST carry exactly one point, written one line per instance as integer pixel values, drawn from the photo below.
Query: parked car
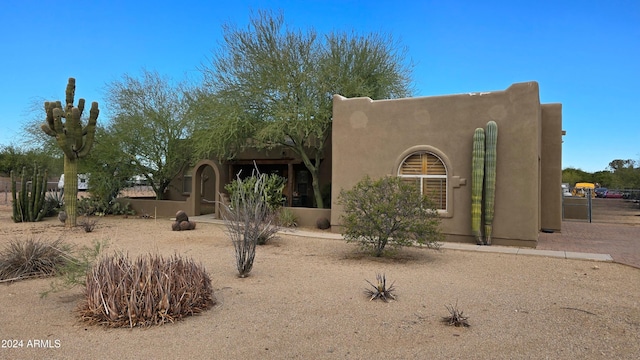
(613, 194)
(566, 193)
(600, 191)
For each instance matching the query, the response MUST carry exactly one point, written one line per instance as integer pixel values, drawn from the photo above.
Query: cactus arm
(490, 178)
(41, 194)
(81, 106)
(31, 198)
(23, 203)
(47, 129)
(477, 178)
(14, 200)
(70, 91)
(90, 130)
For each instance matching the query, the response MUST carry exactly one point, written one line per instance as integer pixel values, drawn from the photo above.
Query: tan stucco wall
(371, 137)
(308, 217)
(551, 171)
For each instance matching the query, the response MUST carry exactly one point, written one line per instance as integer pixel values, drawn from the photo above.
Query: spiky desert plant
(456, 317)
(287, 218)
(73, 138)
(490, 179)
(380, 290)
(477, 178)
(249, 220)
(150, 290)
(28, 204)
(22, 259)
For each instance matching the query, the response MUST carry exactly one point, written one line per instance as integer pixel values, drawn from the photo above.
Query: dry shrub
(249, 220)
(456, 317)
(88, 224)
(32, 258)
(151, 290)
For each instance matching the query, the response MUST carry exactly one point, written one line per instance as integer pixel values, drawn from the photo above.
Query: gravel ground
(305, 299)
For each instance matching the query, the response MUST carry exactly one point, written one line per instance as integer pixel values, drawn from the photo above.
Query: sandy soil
(304, 299)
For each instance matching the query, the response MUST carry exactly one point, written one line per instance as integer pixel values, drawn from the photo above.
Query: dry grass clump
(380, 291)
(456, 317)
(22, 259)
(88, 224)
(151, 290)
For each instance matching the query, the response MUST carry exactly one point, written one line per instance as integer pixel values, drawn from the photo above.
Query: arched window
(428, 172)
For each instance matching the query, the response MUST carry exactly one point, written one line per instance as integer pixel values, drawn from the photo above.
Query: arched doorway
(205, 188)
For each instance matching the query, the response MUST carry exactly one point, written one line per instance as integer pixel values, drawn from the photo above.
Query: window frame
(447, 211)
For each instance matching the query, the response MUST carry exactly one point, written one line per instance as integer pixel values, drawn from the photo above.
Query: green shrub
(32, 258)
(93, 205)
(389, 211)
(271, 189)
(150, 290)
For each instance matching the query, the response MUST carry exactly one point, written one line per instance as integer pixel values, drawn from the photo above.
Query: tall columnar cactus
(73, 138)
(490, 179)
(477, 179)
(28, 204)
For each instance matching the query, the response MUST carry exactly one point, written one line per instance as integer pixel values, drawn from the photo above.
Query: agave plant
(380, 291)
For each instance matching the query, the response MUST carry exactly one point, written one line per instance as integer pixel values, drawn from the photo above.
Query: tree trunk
(315, 182)
(314, 170)
(70, 191)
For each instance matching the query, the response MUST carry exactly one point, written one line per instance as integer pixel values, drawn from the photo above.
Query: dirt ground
(304, 299)
(615, 211)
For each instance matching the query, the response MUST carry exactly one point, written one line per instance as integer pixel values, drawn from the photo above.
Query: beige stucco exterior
(374, 137)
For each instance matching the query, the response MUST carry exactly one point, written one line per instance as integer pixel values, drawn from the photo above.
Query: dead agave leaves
(380, 291)
(150, 290)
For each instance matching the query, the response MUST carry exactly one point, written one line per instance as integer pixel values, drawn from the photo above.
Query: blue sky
(584, 54)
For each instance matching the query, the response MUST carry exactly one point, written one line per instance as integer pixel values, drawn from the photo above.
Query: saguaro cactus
(490, 179)
(477, 179)
(28, 204)
(73, 138)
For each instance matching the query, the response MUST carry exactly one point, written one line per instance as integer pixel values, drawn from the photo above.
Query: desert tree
(15, 157)
(388, 211)
(268, 85)
(625, 174)
(111, 168)
(75, 138)
(149, 124)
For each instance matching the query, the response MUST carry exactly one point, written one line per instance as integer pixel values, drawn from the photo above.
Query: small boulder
(182, 222)
(187, 225)
(181, 216)
(323, 223)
